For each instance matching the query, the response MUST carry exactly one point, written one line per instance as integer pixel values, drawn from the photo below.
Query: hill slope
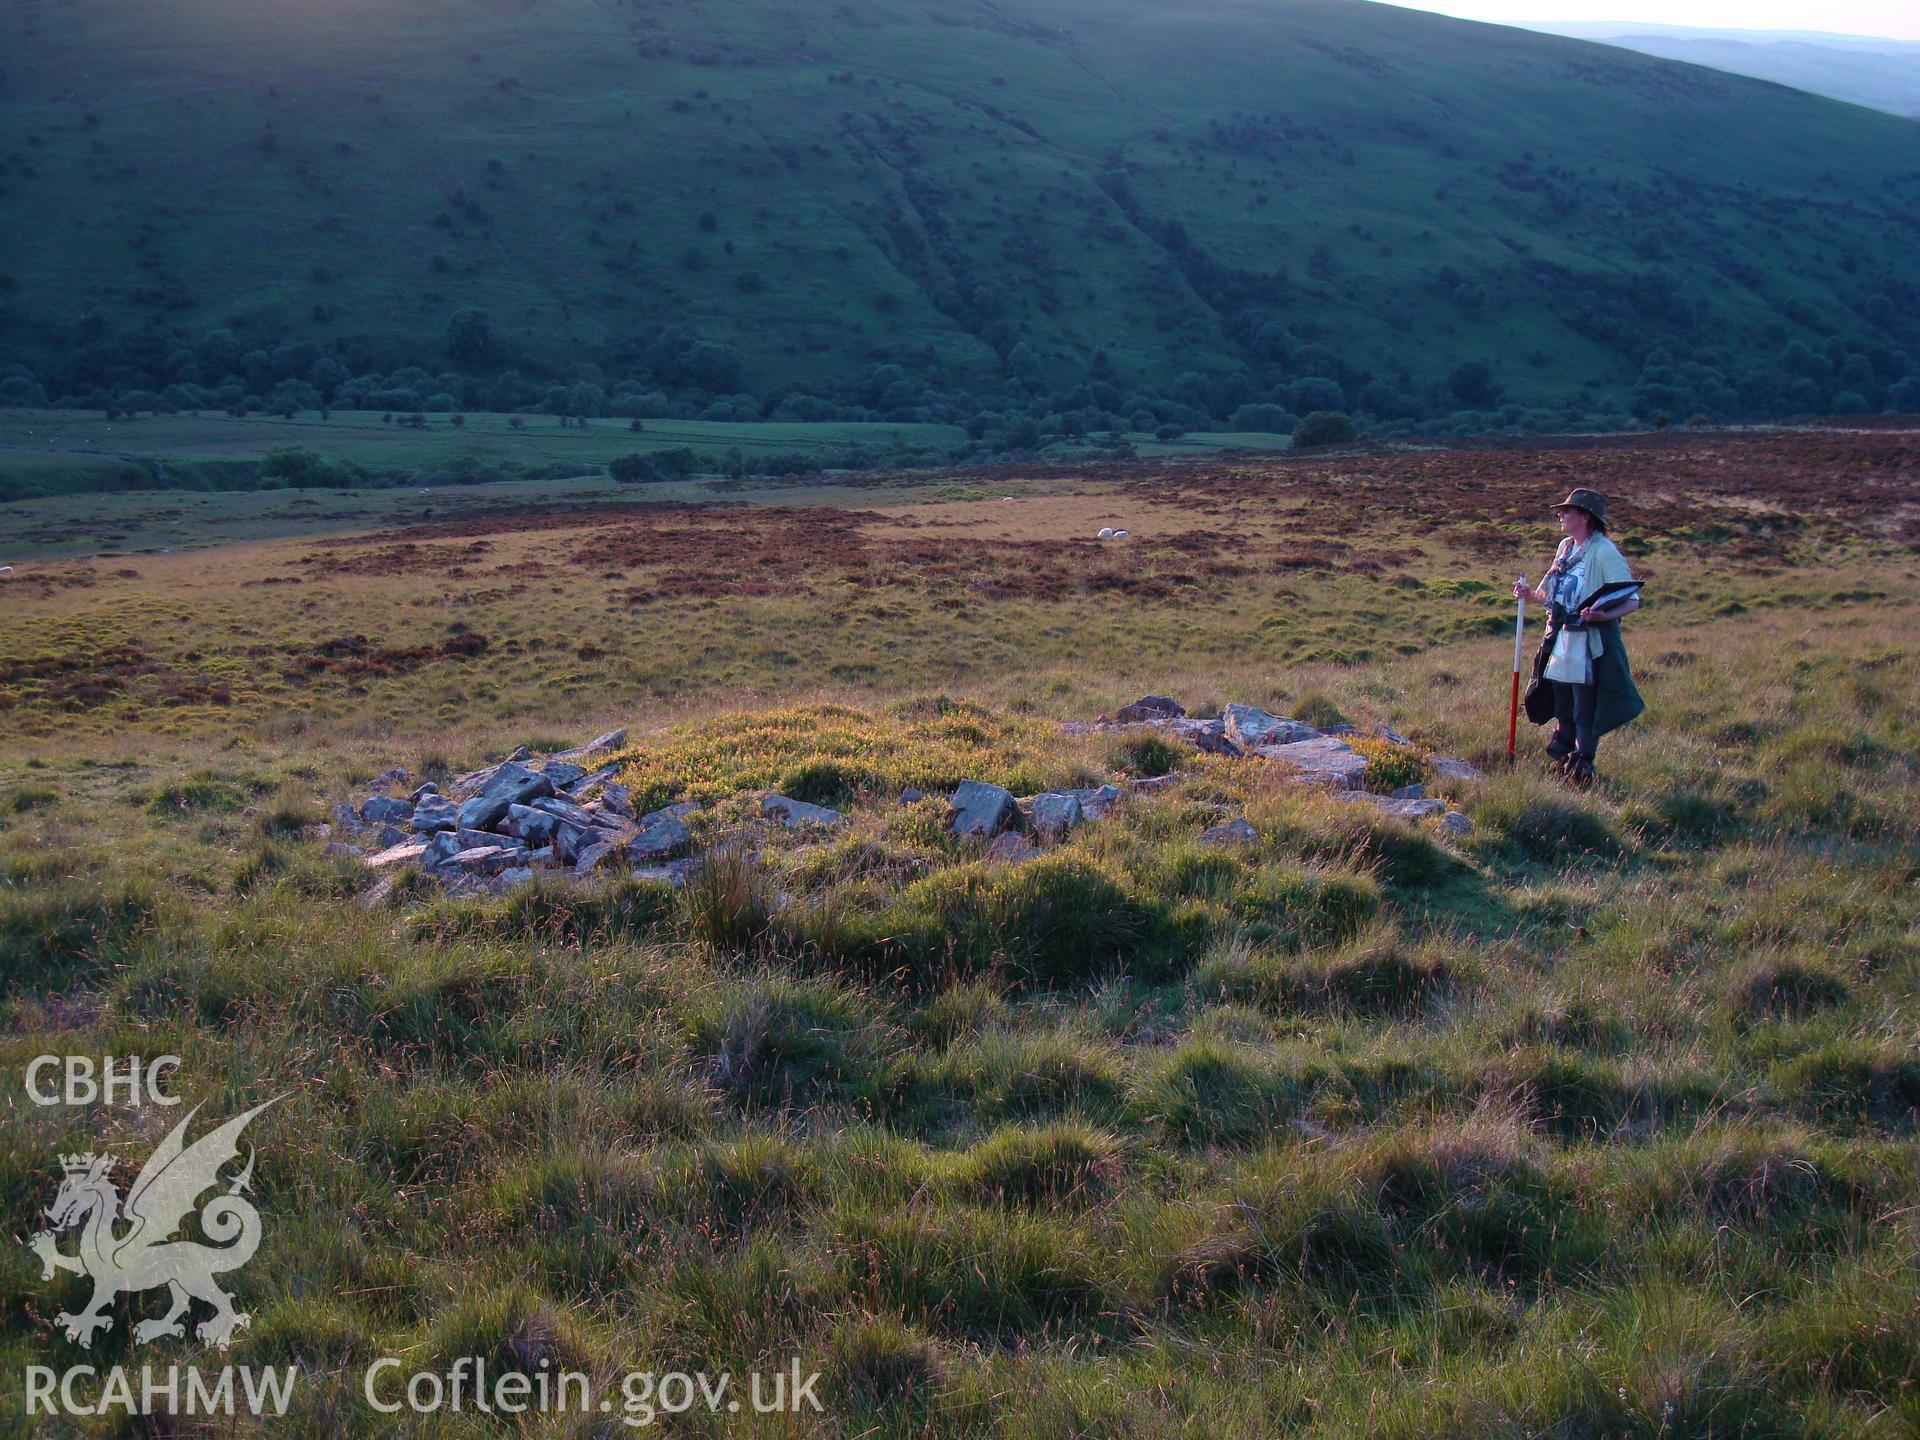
(1884, 74)
(1344, 201)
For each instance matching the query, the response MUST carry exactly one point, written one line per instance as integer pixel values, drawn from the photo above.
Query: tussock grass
(551, 914)
(782, 1042)
(835, 752)
(1062, 1165)
(887, 1363)
(1599, 1120)
(1377, 974)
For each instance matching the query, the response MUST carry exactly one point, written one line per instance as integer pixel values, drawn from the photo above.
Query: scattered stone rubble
(497, 827)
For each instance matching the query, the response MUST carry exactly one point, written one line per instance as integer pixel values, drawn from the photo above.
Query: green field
(928, 214)
(56, 452)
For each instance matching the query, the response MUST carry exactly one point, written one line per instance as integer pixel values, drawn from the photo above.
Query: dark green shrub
(1299, 907)
(1324, 427)
(23, 798)
(1317, 710)
(1376, 976)
(823, 781)
(202, 792)
(728, 900)
(1546, 830)
(1208, 1093)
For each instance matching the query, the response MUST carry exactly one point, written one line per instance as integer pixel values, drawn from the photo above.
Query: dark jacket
(1615, 698)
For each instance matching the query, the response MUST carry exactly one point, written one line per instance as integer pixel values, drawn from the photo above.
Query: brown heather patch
(355, 657)
(1252, 563)
(83, 678)
(1689, 486)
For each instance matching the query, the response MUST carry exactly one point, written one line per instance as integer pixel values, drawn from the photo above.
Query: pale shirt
(1582, 570)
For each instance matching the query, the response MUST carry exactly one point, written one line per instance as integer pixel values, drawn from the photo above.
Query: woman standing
(1581, 677)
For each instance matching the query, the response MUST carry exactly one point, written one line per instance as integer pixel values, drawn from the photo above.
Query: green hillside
(1046, 218)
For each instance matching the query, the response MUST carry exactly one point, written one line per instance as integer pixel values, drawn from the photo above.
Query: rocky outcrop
(385, 810)
(1148, 707)
(980, 810)
(510, 784)
(434, 812)
(1237, 831)
(1250, 728)
(502, 825)
(1401, 807)
(796, 814)
(663, 840)
(1055, 813)
(1325, 760)
(506, 823)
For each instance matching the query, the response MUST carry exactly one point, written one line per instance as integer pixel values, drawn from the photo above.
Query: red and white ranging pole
(1519, 644)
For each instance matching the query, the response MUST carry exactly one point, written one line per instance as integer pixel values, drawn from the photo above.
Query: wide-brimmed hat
(1591, 501)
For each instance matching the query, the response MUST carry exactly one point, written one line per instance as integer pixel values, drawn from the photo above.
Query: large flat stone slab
(1324, 761)
(489, 859)
(525, 823)
(561, 809)
(1096, 801)
(406, 853)
(1249, 727)
(435, 812)
(385, 810)
(1401, 807)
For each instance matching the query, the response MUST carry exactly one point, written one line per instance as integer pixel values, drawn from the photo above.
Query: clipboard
(1618, 590)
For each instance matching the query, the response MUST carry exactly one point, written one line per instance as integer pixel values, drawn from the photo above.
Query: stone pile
(1311, 755)
(496, 828)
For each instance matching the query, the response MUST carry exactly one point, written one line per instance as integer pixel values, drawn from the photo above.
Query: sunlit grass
(1599, 1119)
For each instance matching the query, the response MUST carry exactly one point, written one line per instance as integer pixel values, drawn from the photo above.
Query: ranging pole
(1519, 643)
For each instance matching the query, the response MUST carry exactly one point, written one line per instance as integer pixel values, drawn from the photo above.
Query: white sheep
(1120, 534)
(1106, 533)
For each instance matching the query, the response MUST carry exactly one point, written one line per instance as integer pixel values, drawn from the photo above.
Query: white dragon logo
(140, 1257)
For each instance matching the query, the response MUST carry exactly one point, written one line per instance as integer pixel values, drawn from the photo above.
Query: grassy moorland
(1599, 1120)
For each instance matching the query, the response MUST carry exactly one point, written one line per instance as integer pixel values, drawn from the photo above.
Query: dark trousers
(1573, 708)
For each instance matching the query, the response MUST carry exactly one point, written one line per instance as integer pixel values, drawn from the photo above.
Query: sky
(1895, 19)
